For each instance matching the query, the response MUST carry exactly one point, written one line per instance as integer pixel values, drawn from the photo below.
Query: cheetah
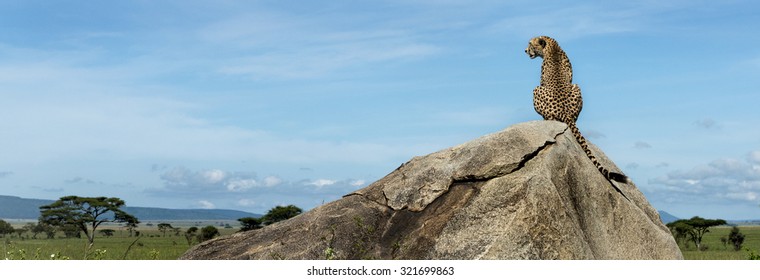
(558, 99)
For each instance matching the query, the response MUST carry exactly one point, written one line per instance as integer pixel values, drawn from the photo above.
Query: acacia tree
(280, 213)
(163, 227)
(107, 232)
(190, 234)
(249, 223)
(695, 228)
(85, 213)
(131, 228)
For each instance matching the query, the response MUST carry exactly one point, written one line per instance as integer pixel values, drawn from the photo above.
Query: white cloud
(258, 198)
(357, 183)
(754, 157)
(271, 181)
(322, 183)
(178, 176)
(205, 204)
(213, 176)
(720, 181)
(746, 196)
(245, 190)
(239, 185)
(212, 180)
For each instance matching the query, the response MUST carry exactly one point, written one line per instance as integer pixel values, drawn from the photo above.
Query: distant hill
(150, 213)
(667, 217)
(12, 207)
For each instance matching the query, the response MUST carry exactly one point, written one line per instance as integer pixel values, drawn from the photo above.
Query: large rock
(528, 192)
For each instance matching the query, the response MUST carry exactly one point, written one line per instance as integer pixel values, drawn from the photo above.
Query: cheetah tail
(619, 177)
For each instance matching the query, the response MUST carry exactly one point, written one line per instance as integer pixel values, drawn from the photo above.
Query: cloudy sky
(252, 104)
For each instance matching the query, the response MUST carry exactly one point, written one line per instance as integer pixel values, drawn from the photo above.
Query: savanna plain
(153, 244)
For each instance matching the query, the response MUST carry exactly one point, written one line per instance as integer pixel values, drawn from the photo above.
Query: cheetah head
(536, 47)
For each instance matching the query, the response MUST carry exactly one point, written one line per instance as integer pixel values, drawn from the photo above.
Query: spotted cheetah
(557, 98)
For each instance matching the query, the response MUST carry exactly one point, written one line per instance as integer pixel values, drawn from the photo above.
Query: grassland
(151, 245)
(717, 251)
(154, 245)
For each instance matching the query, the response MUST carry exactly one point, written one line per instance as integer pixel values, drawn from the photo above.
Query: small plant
(58, 256)
(12, 253)
(154, 254)
(19, 254)
(395, 248)
(276, 256)
(363, 237)
(329, 253)
(752, 255)
(98, 254)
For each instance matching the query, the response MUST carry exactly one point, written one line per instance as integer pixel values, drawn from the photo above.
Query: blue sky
(252, 104)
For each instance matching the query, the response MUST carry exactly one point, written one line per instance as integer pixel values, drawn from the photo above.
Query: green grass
(716, 250)
(152, 245)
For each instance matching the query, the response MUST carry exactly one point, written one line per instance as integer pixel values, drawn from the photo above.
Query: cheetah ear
(542, 42)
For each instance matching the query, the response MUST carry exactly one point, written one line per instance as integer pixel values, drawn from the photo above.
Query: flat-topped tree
(163, 227)
(695, 228)
(85, 213)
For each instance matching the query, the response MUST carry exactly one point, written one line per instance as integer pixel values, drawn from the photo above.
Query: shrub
(736, 238)
(208, 233)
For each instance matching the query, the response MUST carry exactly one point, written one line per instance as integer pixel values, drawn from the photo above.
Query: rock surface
(527, 192)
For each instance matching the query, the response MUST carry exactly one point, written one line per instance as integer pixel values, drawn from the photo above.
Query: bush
(280, 213)
(5, 228)
(208, 233)
(752, 255)
(736, 238)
